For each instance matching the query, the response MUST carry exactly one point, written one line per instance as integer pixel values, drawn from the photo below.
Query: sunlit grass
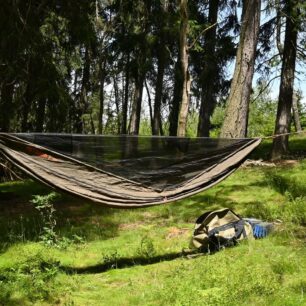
(134, 257)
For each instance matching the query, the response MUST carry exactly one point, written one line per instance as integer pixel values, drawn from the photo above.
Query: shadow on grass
(20, 221)
(283, 184)
(189, 210)
(125, 262)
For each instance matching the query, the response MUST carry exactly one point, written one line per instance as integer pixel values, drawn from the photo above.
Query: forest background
(179, 68)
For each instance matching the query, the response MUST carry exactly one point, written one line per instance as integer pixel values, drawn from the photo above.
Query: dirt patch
(257, 163)
(129, 226)
(287, 162)
(174, 232)
(148, 215)
(261, 163)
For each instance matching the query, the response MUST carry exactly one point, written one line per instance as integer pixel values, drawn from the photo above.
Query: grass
(134, 257)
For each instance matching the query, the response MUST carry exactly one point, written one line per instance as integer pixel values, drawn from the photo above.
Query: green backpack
(218, 229)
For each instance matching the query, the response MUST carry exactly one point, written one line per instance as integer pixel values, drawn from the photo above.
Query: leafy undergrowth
(102, 256)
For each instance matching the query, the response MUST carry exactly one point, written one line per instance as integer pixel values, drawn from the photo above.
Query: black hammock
(125, 171)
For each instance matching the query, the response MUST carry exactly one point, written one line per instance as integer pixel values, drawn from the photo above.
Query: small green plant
(48, 236)
(44, 205)
(146, 248)
(111, 259)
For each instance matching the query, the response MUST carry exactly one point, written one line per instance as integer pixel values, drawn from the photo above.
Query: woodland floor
(134, 257)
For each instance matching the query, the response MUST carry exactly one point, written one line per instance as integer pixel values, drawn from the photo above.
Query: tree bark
(208, 99)
(296, 115)
(283, 117)
(236, 118)
(182, 121)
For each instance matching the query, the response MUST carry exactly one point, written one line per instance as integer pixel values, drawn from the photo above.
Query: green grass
(134, 257)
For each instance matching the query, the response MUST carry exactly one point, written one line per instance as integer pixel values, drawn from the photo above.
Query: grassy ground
(134, 257)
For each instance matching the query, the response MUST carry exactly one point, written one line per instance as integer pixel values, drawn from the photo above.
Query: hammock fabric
(125, 171)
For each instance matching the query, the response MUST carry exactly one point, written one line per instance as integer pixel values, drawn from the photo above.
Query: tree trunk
(150, 106)
(182, 121)
(296, 115)
(40, 115)
(82, 102)
(136, 106)
(92, 125)
(159, 90)
(102, 65)
(283, 117)
(6, 106)
(236, 118)
(26, 105)
(208, 99)
(175, 104)
(161, 66)
(126, 96)
(117, 103)
(278, 28)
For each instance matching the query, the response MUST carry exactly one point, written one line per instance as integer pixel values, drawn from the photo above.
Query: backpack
(218, 229)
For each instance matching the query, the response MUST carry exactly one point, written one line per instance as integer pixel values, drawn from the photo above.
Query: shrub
(31, 280)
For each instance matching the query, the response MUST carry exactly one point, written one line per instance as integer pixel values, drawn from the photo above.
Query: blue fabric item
(260, 228)
(259, 231)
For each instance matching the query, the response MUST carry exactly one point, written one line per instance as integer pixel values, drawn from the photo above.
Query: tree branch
(267, 60)
(202, 32)
(263, 90)
(9, 170)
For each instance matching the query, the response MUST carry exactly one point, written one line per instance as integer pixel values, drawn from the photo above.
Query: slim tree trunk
(126, 96)
(182, 121)
(6, 106)
(117, 103)
(283, 117)
(179, 79)
(101, 106)
(40, 115)
(161, 66)
(236, 117)
(82, 104)
(208, 99)
(26, 105)
(296, 115)
(278, 28)
(176, 100)
(92, 125)
(136, 106)
(159, 91)
(150, 106)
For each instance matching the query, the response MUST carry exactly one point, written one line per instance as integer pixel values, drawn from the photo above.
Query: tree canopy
(153, 67)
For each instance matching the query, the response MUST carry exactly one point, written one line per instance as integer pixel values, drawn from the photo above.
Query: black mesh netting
(158, 162)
